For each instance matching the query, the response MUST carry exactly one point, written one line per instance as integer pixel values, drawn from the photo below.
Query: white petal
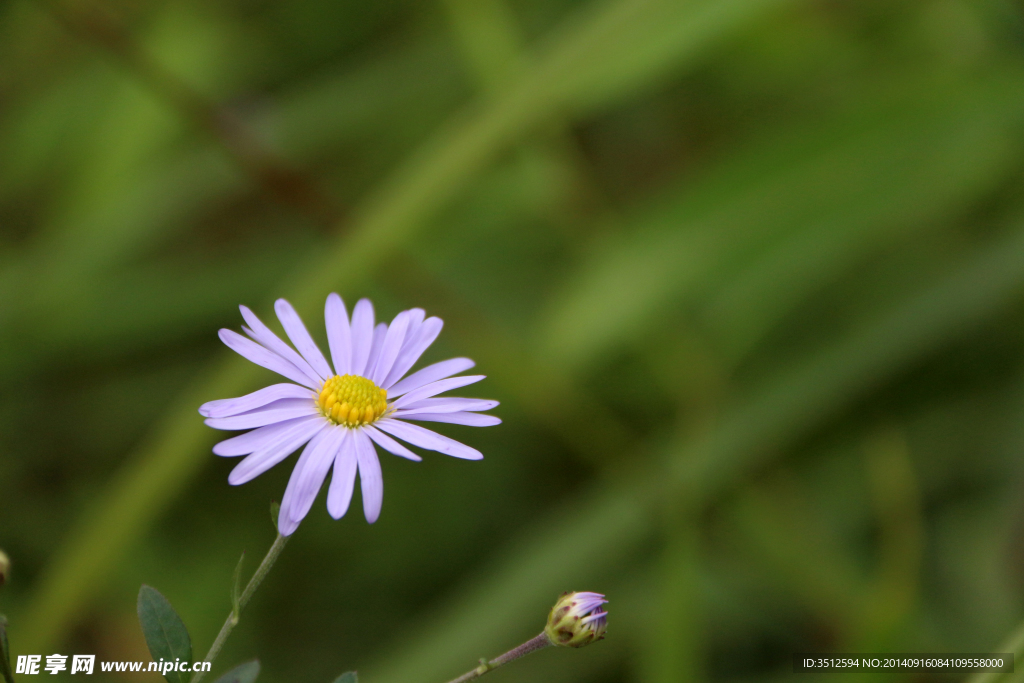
(468, 419)
(257, 399)
(392, 344)
(307, 478)
(446, 404)
(343, 481)
(435, 388)
(339, 334)
(274, 452)
(264, 357)
(431, 373)
(362, 335)
(370, 478)
(379, 333)
(424, 438)
(389, 444)
(299, 335)
(257, 439)
(284, 409)
(265, 336)
(414, 347)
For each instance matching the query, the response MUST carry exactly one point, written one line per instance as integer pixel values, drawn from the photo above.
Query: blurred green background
(746, 275)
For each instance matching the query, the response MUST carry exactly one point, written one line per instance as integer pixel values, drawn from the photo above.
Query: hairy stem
(250, 588)
(538, 643)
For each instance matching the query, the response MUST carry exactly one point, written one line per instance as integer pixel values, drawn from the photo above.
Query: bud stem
(250, 588)
(538, 643)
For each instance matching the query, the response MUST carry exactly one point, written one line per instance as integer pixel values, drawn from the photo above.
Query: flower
(577, 619)
(340, 414)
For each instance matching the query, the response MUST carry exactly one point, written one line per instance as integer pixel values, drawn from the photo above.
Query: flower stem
(250, 588)
(538, 643)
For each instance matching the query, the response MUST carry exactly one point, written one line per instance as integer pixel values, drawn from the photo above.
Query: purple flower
(577, 619)
(340, 414)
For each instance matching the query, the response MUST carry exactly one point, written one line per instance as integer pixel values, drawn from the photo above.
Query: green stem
(538, 643)
(250, 588)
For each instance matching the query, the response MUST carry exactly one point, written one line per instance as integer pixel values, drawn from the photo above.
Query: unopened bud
(5, 567)
(577, 619)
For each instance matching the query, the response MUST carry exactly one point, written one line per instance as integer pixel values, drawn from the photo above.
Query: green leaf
(236, 607)
(349, 677)
(275, 512)
(243, 673)
(5, 652)
(164, 630)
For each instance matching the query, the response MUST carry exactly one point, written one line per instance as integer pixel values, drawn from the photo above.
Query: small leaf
(5, 652)
(350, 677)
(236, 607)
(165, 633)
(243, 673)
(275, 512)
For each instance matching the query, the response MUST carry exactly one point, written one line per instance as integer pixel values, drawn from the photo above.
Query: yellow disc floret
(351, 401)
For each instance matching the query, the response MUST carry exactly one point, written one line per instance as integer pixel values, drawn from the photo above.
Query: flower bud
(577, 619)
(5, 567)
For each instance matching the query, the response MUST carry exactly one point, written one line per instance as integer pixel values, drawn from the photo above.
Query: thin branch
(539, 643)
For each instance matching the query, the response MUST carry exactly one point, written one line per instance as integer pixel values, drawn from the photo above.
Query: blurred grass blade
(1014, 643)
(607, 526)
(490, 38)
(776, 534)
(140, 307)
(432, 176)
(802, 396)
(811, 200)
(897, 507)
(370, 102)
(166, 635)
(99, 227)
(625, 47)
(243, 673)
(673, 644)
(562, 72)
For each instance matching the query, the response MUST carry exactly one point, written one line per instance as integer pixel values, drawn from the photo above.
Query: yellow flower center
(351, 400)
